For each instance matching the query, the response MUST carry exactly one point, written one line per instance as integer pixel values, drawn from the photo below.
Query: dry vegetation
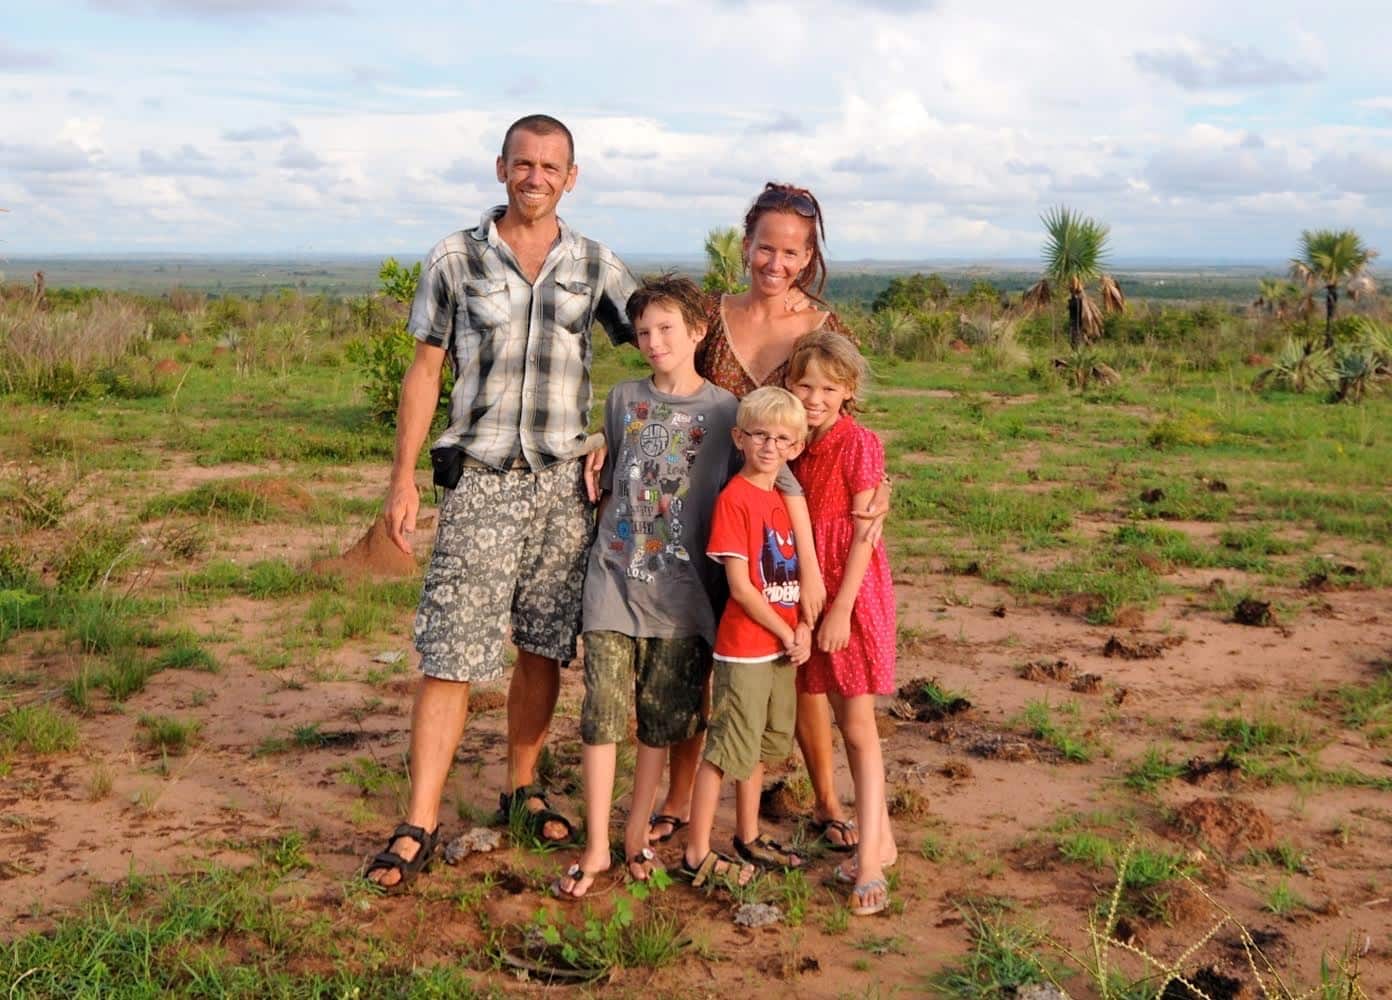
(1092, 759)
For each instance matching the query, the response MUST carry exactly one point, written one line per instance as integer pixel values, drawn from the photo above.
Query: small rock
(754, 915)
(1252, 612)
(1040, 991)
(389, 656)
(479, 840)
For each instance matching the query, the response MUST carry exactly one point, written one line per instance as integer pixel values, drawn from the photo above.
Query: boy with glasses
(758, 644)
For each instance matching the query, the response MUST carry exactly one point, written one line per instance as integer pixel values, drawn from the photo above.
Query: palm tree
(1332, 258)
(724, 261)
(1278, 297)
(1074, 254)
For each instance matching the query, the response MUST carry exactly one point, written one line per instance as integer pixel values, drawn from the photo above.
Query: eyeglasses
(760, 438)
(799, 201)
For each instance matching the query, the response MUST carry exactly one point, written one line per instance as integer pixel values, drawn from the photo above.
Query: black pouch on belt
(447, 461)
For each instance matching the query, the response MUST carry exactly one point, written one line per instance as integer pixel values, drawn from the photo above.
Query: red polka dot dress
(848, 460)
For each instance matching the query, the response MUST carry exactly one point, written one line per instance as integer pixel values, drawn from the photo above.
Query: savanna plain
(1143, 743)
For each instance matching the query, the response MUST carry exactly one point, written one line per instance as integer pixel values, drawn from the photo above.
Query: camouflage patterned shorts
(510, 549)
(668, 675)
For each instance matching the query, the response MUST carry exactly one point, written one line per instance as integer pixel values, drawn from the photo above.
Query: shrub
(63, 356)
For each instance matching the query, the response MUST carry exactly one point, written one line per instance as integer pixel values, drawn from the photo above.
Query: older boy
(648, 620)
(759, 642)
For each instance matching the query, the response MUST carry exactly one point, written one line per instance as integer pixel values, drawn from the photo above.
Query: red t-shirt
(752, 524)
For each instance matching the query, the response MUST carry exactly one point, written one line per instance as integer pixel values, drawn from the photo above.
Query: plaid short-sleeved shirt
(520, 351)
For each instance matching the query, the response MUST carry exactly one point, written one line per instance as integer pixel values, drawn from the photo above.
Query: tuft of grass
(167, 734)
(1282, 900)
(37, 729)
(185, 653)
(1004, 956)
(1153, 769)
(95, 554)
(1038, 720)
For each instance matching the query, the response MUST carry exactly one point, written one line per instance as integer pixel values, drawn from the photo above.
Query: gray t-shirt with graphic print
(669, 457)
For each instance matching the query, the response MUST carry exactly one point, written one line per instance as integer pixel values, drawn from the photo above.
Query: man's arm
(616, 285)
(420, 391)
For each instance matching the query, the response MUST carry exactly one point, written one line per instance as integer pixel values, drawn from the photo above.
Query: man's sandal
(709, 870)
(667, 819)
(577, 875)
(535, 819)
(644, 861)
(843, 827)
(388, 860)
(865, 891)
(766, 852)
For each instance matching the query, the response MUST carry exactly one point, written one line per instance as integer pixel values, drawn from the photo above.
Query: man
(510, 303)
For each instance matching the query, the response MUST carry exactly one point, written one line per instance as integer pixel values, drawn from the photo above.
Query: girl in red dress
(853, 655)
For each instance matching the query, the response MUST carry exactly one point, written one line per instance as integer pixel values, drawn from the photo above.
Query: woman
(749, 339)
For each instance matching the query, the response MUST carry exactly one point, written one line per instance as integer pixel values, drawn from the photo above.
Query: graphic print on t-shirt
(650, 486)
(778, 564)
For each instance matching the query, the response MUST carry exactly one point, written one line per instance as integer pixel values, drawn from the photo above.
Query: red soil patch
(373, 555)
(1229, 825)
(167, 366)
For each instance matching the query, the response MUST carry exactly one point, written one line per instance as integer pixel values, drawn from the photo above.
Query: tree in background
(1332, 258)
(1279, 298)
(913, 292)
(724, 262)
(1075, 251)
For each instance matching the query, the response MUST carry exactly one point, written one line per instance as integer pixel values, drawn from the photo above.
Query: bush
(63, 356)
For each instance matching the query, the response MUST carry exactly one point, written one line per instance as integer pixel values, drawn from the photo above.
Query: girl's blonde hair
(836, 356)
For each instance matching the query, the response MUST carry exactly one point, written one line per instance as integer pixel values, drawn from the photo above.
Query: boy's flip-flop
(709, 869)
(766, 852)
(844, 827)
(577, 875)
(675, 822)
(864, 891)
(388, 860)
(535, 820)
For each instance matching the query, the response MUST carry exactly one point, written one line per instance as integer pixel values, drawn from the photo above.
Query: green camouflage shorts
(668, 676)
(753, 711)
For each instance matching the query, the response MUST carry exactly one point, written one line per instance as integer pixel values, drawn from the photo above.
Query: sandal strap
(387, 859)
(416, 833)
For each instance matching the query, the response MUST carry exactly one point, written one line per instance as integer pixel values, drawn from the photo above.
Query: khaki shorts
(668, 676)
(510, 551)
(754, 709)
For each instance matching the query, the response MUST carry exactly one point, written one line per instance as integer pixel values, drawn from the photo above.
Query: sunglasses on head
(782, 197)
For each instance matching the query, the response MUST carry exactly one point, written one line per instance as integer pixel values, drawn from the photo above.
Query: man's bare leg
(437, 723)
(814, 740)
(536, 681)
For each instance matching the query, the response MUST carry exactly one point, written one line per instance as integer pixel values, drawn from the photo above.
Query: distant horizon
(694, 260)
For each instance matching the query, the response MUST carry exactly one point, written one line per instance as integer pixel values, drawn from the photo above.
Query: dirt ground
(990, 798)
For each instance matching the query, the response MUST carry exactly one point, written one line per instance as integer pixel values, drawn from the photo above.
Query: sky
(929, 129)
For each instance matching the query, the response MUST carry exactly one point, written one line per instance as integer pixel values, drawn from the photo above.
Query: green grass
(1039, 720)
(147, 937)
(167, 734)
(1151, 770)
(1282, 900)
(1004, 956)
(37, 729)
(265, 579)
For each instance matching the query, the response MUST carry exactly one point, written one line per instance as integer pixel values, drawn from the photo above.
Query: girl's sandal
(847, 872)
(642, 862)
(873, 897)
(766, 852)
(579, 879)
(710, 869)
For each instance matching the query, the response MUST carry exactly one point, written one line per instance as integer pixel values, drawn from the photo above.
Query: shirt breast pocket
(487, 306)
(574, 306)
